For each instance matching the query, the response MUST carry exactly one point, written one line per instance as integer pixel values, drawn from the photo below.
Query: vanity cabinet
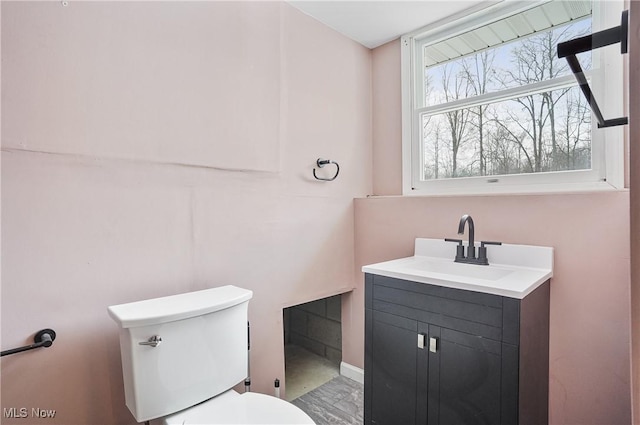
(437, 355)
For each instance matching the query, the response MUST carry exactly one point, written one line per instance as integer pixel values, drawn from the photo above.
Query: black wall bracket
(43, 338)
(569, 50)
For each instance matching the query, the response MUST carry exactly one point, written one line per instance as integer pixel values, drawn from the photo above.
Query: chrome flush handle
(154, 341)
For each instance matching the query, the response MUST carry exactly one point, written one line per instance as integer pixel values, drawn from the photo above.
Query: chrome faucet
(471, 249)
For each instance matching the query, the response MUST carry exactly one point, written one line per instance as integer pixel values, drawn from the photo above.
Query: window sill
(499, 194)
(511, 190)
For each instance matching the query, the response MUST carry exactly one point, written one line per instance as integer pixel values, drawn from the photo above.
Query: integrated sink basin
(433, 266)
(514, 270)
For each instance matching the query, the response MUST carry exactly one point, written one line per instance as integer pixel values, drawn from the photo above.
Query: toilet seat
(247, 408)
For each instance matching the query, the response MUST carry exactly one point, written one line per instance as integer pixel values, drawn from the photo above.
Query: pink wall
(157, 148)
(141, 157)
(387, 130)
(634, 178)
(590, 327)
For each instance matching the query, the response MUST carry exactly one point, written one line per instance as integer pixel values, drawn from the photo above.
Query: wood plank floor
(338, 402)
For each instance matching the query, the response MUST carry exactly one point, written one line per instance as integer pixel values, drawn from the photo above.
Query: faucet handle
(459, 248)
(483, 243)
(482, 251)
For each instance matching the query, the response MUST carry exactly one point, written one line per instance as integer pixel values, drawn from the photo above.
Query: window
(488, 107)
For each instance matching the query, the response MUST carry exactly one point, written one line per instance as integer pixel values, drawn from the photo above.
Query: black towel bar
(43, 338)
(569, 50)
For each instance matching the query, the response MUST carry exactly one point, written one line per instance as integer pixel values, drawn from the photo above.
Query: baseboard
(352, 372)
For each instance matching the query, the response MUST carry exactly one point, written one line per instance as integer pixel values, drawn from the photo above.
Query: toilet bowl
(247, 408)
(183, 354)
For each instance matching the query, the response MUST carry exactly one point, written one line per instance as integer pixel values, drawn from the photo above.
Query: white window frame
(607, 143)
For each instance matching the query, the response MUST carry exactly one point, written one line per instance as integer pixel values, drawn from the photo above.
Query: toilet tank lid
(178, 307)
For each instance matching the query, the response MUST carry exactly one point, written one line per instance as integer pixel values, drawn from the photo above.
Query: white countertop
(513, 271)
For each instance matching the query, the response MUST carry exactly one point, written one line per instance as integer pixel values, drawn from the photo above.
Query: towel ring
(321, 163)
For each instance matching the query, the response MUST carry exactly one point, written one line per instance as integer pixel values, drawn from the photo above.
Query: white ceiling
(373, 23)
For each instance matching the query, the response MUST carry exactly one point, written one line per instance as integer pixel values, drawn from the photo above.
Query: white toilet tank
(202, 352)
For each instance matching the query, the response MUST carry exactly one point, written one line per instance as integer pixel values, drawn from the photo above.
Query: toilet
(183, 354)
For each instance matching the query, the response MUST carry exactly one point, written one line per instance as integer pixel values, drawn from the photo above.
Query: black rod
(619, 34)
(43, 338)
(574, 64)
(589, 42)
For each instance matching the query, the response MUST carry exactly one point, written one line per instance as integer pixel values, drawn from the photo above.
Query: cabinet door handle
(433, 344)
(421, 338)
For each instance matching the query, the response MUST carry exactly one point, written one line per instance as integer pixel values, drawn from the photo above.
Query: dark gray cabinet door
(464, 379)
(393, 370)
